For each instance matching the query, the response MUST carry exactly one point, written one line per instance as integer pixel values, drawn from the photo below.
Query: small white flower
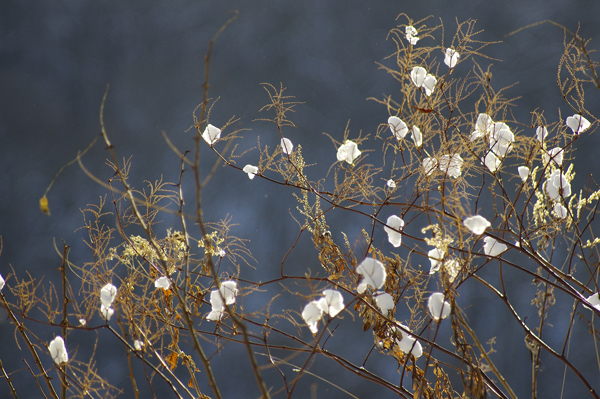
(477, 224)
(556, 154)
(211, 134)
(435, 257)
(418, 75)
(578, 123)
(385, 302)
(429, 165)
(332, 303)
(286, 146)
(311, 314)
(492, 162)
(138, 345)
(411, 34)
(218, 308)
(541, 133)
(451, 58)
(451, 165)
(251, 170)
(82, 322)
(219, 298)
(483, 127)
(391, 184)
(523, 172)
(410, 344)
(162, 282)
(557, 185)
(222, 253)
(492, 247)
(373, 274)
(501, 139)
(108, 294)
(438, 308)
(348, 152)
(58, 351)
(421, 78)
(560, 211)
(594, 300)
(215, 315)
(106, 312)
(429, 84)
(394, 225)
(407, 344)
(417, 136)
(1, 282)
(398, 127)
(228, 291)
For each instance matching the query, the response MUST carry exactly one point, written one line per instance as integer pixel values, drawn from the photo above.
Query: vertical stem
(64, 322)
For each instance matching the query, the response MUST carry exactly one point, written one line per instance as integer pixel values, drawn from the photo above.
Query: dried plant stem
(22, 330)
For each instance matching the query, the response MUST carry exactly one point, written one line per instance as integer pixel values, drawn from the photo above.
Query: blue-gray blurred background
(56, 59)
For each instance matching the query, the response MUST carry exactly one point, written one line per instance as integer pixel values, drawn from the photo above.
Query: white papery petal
(311, 314)
(483, 126)
(560, 211)
(557, 185)
(106, 312)
(492, 247)
(394, 223)
(501, 139)
(286, 146)
(408, 344)
(556, 154)
(435, 257)
(215, 315)
(578, 123)
(417, 136)
(594, 300)
(216, 300)
(561, 183)
(451, 165)
(429, 84)
(418, 75)
(348, 152)
(390, 183)
(229, 290)
(1, 282)
(451, 58)
(162, 282)
(211, 134)
(385, 302)
(541, 133)
(58, 351)
(108, 294)
(438, 308)
(429, 165)
(477, 224)
(373, 273)
(523, 172)
(398, 127)
(334, 302)
(492, 162)
(138, 345)
(251, 170)
(411, 35)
